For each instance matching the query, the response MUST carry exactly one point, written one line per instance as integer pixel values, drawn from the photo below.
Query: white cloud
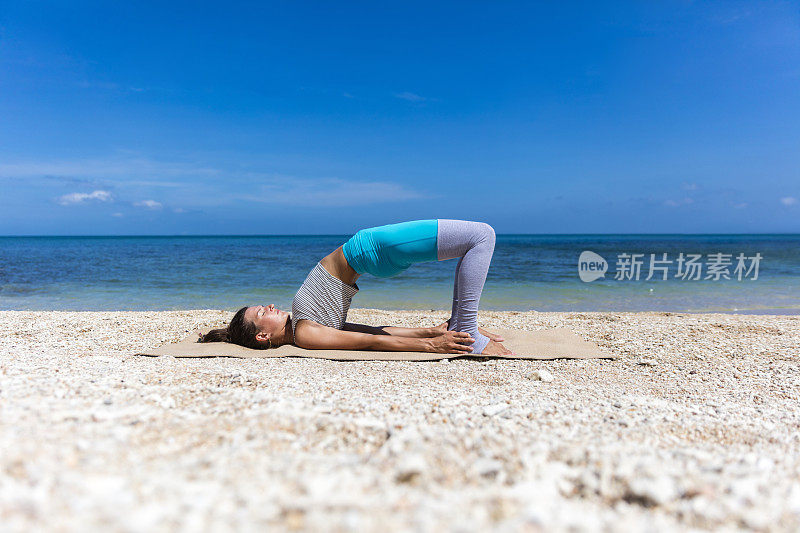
(149, 204)
(788, 200)
(410, 97)
(118, 215)
(676, 203)
(741, 205)
(146, 178)
(82, 197)
(690, 186)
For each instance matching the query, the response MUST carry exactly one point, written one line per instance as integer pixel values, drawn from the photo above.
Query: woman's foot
(495, 348)
(493, 336)
(442, 328)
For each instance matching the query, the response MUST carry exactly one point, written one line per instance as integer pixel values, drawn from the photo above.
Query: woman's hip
(385, 251)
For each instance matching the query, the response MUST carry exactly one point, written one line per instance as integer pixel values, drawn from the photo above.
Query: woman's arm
(413, 332)
(327, 338)
(419, 333)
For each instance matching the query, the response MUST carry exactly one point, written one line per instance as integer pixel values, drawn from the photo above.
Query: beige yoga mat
(556, 343)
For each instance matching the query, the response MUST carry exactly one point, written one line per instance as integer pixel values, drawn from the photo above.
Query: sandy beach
(696, 426)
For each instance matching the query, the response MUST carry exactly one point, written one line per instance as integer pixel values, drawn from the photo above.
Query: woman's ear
(262, 337)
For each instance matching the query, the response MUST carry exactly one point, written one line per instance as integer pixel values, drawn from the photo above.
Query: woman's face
(269, 320)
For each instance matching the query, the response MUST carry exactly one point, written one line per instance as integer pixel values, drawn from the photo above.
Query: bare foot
(442, 328)
(495, 348)
(493, 336)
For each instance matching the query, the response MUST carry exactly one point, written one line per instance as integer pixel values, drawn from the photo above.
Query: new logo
(591, 266)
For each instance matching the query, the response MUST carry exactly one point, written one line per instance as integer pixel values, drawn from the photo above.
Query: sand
(696, 426)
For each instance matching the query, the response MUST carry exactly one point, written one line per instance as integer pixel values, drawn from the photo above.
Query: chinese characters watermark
(716, 266)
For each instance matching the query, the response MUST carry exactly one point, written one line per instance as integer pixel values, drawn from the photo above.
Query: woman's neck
(285, 336)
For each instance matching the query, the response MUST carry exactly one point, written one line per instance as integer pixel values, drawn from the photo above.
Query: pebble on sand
(541, 375)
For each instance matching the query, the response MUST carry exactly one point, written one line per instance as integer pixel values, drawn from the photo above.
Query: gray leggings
(473, 242)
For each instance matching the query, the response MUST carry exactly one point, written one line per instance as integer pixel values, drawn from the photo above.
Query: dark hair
(239, 331)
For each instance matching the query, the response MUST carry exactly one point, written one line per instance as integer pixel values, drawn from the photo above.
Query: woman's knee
(487, 233)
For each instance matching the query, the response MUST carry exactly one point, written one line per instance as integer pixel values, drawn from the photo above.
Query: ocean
(528, 272)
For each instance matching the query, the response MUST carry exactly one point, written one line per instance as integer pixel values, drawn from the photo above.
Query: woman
(321, 304)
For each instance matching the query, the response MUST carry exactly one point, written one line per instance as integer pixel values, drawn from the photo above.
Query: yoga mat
(555, 343)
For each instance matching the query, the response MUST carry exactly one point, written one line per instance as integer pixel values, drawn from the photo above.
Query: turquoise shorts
(385, 251)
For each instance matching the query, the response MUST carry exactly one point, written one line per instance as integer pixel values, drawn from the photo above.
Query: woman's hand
(458, 342)
(442, 328)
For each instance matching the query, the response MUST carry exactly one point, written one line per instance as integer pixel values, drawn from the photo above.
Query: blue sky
(265, 118)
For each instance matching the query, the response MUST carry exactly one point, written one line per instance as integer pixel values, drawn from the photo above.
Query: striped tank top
(323, 298)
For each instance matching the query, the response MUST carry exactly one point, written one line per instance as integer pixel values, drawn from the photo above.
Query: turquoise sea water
(538, 272)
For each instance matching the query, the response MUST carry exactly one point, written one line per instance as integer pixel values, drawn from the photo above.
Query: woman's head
(257, 326)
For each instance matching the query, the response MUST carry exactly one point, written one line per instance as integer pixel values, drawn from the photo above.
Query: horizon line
(165, 235)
